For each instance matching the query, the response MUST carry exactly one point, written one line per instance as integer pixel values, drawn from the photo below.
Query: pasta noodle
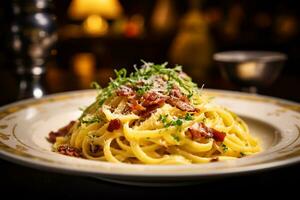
(155, 115)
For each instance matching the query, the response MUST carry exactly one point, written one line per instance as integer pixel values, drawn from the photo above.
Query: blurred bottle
(33, 34)
(233, 22)
(193, 46)
(164, 17)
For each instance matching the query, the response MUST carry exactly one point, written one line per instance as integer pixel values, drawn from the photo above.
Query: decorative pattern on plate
(21, 148)
(3, 126)
(4, 136)
(23, 132)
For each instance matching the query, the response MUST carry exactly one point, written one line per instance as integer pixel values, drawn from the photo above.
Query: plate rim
(62, 168)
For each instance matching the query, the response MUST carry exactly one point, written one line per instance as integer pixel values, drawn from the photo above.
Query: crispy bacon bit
(147, 104)
(125, 91)
(175, 92)
(69, 151)
(216, 159)
(130, 94)
(218, 136)
(199, 130)
(61, 132)
(180, 101)
(153, 98)
(135, 106)
(184, 106)
(114, 124)
(149, 110)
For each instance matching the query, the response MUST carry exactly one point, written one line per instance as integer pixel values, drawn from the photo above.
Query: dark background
(19, 181)
(231, 25)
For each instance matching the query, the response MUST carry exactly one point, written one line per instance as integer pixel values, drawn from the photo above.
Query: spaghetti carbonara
(155, 115)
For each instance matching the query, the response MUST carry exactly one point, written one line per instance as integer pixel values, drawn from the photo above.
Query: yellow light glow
(84, 66)
(80, 9)
(95, 25)
(164, 16)
(249, 70)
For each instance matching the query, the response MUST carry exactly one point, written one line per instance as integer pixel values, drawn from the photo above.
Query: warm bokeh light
(80, 9)
(249, 70)
(119, 33)
(134, 26)
(95, 25)
(164, 16)
(84, 66)
(286, 26)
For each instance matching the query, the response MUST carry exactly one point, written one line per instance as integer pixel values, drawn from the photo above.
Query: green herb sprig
(90, 120)
(145, 72)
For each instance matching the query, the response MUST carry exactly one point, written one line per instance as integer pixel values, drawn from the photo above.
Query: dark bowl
(250, 68)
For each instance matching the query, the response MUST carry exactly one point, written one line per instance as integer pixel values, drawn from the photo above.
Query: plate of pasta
(151, 126)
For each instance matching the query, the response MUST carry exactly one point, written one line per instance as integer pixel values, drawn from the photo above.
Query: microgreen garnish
(95, 85)
(174, 77)
(144, 88)
(90, 119)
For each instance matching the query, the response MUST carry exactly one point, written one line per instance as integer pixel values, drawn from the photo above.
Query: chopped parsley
(224, 148)
(188, 117)
(176, 137)
(175, 122)
(163, 118)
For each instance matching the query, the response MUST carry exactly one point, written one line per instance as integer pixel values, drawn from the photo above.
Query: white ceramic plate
(25, 125)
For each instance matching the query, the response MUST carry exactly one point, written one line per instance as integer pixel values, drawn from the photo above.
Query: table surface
(34, 182)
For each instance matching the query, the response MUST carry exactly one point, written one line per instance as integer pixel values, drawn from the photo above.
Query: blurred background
(80, 41)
